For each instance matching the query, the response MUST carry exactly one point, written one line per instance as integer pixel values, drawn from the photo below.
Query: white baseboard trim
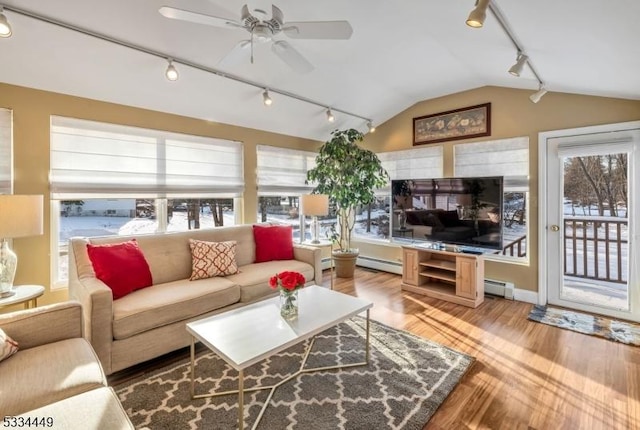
(378, 264)
(526, 296)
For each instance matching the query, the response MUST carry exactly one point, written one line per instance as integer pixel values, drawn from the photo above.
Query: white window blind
(506, 157)
(412, 164)
(282, 171)
(6, 158)
(106, 160)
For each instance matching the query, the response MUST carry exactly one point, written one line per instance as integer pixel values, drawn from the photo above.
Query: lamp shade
(20, 215)
(314, 204)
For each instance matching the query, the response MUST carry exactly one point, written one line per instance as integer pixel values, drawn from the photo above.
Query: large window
(374, 221)
(6, 159)
(508, 158)
(116, 180)
(281, 176)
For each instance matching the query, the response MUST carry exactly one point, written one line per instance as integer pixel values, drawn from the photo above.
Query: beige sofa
(150, 322)
(55, 377)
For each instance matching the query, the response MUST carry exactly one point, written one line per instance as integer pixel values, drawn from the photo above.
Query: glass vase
(289, 304)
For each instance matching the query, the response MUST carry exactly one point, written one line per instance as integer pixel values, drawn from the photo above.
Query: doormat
(407, 379)
(618, 331)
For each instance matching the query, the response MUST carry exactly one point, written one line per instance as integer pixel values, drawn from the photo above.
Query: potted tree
(349, 175)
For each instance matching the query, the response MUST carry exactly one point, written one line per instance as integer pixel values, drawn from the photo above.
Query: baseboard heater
(380, 264)
(499, 288)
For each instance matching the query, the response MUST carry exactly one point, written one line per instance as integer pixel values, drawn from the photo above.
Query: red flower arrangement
(287, 281)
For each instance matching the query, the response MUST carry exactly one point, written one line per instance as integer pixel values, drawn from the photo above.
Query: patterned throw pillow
(209, 259)
(8, 346)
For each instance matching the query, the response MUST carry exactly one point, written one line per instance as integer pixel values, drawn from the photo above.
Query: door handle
(555, 228)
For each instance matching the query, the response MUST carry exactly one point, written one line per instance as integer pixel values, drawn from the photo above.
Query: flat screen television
(458, 211)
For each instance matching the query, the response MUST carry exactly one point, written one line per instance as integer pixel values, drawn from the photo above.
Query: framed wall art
(465, 123)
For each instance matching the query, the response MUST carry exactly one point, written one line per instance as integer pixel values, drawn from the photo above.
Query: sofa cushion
(209, 259)
(93, 410)
(254, 278)
(44, 374)
(273, 242)
(8, 346)
(170, 302)
(121, 266)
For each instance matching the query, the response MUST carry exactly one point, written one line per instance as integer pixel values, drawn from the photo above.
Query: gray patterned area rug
(405, 382)
(594, 325)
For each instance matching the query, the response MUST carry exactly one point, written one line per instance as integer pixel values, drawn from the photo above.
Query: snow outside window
(108, 179)
(508, 158)
(374, 222)
(281, 176)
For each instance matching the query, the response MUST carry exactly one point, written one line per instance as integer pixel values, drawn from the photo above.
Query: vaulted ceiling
(401, 52)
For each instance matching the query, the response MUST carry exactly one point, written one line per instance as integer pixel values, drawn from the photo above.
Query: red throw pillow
(273, 242)
(121, 266)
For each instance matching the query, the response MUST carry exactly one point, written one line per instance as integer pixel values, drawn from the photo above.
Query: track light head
(330, 116)
(266, 99)
(478, 14)
(5, 27)
(535, 97)
(172, 72)
(516, 69)
(372, 128)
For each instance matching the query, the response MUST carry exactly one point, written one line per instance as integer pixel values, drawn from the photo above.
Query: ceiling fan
(264, 29)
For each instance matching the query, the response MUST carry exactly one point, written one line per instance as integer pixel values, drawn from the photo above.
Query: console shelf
(452, 276)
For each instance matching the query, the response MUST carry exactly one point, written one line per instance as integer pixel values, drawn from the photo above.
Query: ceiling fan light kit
(264, 29)
(476, 20)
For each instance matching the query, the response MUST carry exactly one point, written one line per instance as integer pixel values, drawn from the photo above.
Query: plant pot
(345, 263)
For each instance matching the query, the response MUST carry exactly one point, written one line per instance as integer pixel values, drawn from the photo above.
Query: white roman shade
(92, 159)
(6, 157)
(282, 171)
(412, 164)
(506, 157)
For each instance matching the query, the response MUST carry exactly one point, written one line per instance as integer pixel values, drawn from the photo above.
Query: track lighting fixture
(477, 16)
(330, 116)
(516, 69)
(535, 97)
(372, 128)
(266, 99)
(5, 27)
(172, 72)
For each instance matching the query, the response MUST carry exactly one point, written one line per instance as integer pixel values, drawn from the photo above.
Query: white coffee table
(247, 335)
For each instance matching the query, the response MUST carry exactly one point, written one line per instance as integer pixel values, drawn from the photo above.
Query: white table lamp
(20, 216)
(314, 205)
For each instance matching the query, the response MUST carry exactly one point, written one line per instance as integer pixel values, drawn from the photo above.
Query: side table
(27, 294)
(324, 244)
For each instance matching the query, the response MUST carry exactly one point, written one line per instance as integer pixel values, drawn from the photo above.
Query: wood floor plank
(527, 375)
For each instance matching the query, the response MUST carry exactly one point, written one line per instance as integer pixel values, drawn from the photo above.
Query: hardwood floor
(527, 375)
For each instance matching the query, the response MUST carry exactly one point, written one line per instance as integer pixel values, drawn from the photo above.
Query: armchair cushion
(71, 368)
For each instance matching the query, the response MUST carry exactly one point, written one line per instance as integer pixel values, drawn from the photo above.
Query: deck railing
(517, 248)
(596, 248)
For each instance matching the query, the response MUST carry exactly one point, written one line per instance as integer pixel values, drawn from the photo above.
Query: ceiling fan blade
(199, 18)
(241, 52)
(291, 56)
(318, 30)
(277, 17)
